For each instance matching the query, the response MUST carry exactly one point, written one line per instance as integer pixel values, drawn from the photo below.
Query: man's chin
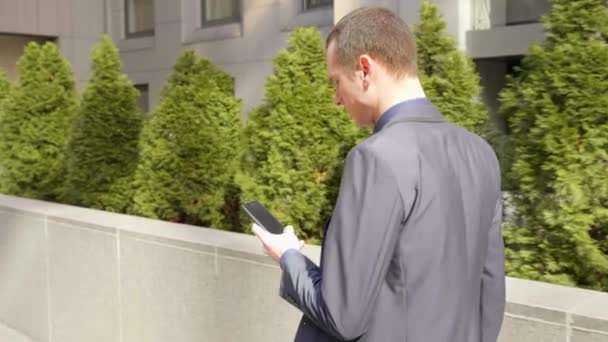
(362, 123)
(361, 120)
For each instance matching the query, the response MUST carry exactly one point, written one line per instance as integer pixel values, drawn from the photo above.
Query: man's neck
(397, 92)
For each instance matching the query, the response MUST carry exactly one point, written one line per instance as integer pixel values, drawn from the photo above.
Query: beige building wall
(76, 25)
(11, 48)
(244, 49)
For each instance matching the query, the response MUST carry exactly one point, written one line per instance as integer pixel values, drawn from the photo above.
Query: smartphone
(260, 215)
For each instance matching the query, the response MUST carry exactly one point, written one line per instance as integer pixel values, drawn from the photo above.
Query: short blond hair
(380, 33)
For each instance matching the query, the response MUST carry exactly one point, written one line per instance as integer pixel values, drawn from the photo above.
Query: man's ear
(365, 66)
(365, 69)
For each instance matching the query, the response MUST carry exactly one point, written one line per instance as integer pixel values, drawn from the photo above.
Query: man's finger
(255, 229)
(288, 230)
(259, 231)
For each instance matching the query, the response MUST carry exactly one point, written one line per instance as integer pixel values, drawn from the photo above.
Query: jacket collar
(418, 110)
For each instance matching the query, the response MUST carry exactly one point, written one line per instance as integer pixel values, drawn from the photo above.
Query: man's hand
(277, 244)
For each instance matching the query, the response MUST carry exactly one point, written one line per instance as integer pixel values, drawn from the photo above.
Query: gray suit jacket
(414, 249)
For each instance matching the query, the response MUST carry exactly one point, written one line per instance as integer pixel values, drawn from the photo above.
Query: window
(293, 13)
(139, 18)
(314, 4)
(144, 95)
(218, 12)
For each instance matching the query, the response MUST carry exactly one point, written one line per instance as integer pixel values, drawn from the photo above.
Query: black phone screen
(260, 215)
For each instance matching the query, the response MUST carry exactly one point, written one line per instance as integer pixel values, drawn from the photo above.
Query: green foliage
(298, 139)
(188, 65)
(556, 106)
(189, 148)
(4, 85)
(448, 76)
(36, 124)
(103, 152)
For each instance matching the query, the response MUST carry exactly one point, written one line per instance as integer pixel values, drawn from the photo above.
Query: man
(413, 251)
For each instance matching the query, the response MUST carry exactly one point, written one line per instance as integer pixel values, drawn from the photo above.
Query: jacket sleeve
(493, 281)
(369, 215)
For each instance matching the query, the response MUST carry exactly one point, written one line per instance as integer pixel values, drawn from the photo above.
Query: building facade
(242, 36)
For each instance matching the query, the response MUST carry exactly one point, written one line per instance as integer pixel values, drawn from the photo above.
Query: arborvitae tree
(447, 74)
(452, 83)
(188, 65)
(189, 148)
(103, 152)
(4, 85)
(298, 139)
(556, 106)
(36, 125)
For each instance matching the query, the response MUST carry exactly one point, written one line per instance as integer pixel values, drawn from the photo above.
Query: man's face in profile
(350, 92)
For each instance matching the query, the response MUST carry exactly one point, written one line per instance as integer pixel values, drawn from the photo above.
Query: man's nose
(337, 100)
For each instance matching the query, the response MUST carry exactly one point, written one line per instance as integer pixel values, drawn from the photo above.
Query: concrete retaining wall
(72, 274)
